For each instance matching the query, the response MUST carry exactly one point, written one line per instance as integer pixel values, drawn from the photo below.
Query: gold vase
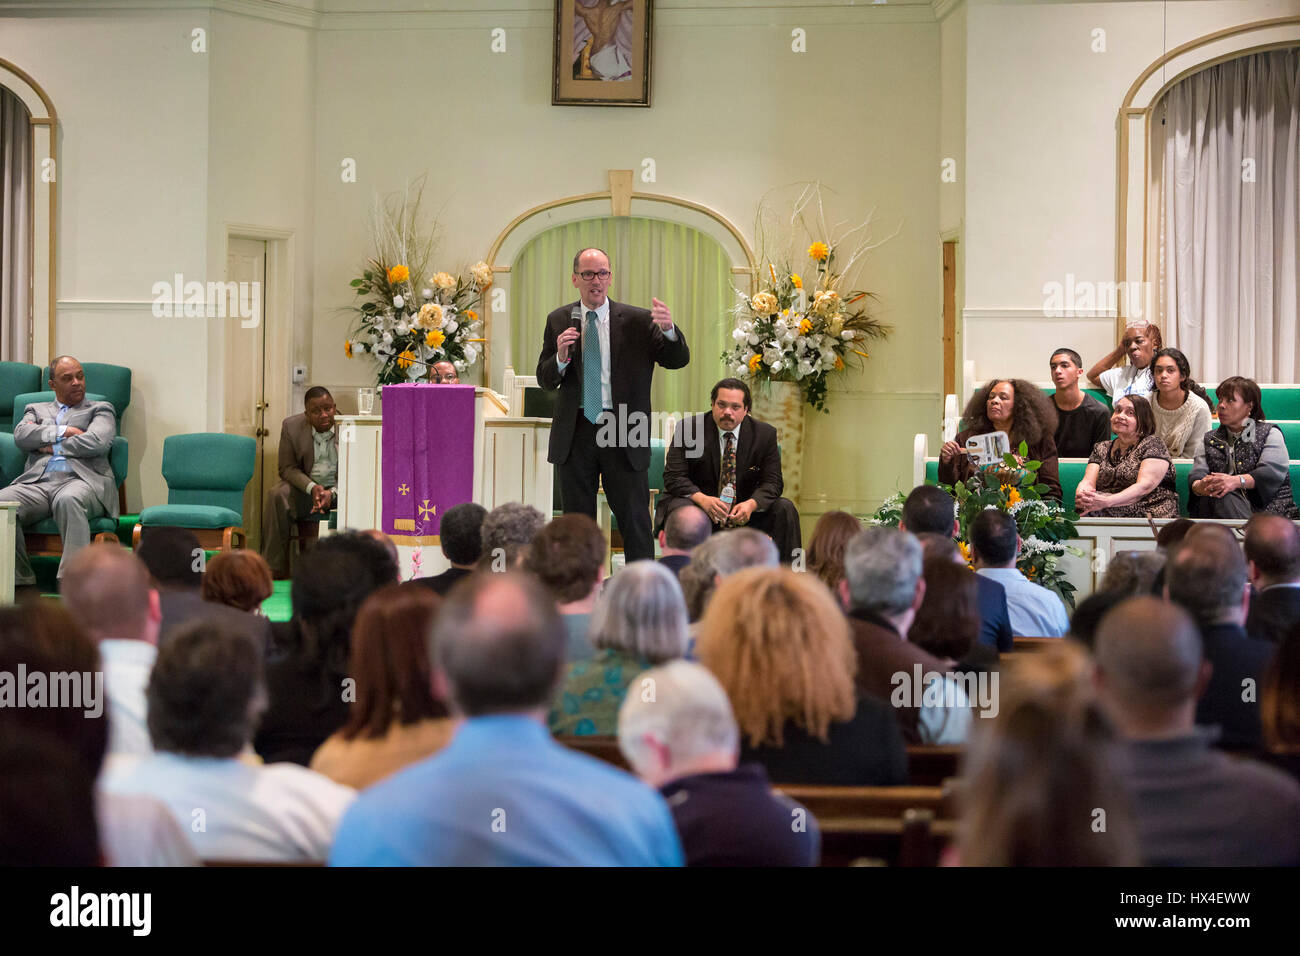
(781, 405)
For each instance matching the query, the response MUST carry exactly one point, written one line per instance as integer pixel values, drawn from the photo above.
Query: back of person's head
(506, 533)
(831, 535)
(641, 612)
(686, 528)
(882, 566)
(206, 691)
(1273, 545)
(328, 587)
(780, 646)
(460, 532)
(1149, 657)
(994, 538)
(1279, 696)
(1132, 572)
(929, 509)
(499, 643)
(390, 661)
(106, 589)
(1206, 574)
(741, 548)
(699, 578)
(172, 555)
(47, 804)
(1088, 614)
(375, 556)
(239, 579)
(688, 716)
(567, 556)
(1035, 774)
(948, 621)
(1173, 533)
(387, 543)
(939, 546)
(42, 637)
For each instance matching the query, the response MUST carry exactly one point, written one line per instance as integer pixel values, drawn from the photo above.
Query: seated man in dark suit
(727, 463)
(459, 534)
(68, 475)
(931, 510)
(1273, 563)
(685, 529)
(309, 468)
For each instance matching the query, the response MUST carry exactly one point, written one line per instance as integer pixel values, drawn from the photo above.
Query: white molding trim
(942, 8)
(1020, 315)
(105, 305)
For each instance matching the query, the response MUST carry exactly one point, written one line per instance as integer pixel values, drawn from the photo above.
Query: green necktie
(592, 400)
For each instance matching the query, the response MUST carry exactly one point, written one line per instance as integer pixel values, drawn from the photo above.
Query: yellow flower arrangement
(819, 251)
(754, 362)
(347, 348)
(805, 326)
(434, 339)
(964, 548)
(444, 281)
(1013, 497)
(431, 316)
(482, 274)
(839, 364)
(398, 274)
(406, 360)
(797, 280)
(472, 315)
(764, 303)
(826, 303)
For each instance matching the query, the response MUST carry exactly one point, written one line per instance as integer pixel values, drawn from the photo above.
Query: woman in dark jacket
(1016, 407)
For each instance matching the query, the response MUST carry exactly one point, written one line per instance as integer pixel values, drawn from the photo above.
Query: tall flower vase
(781, 405)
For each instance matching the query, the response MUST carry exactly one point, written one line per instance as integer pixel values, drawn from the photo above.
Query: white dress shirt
(602, 328)
(127, 665)
(1127, 380)
(1034, 610)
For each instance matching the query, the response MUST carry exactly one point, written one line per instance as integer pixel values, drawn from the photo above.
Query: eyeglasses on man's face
(588, 275)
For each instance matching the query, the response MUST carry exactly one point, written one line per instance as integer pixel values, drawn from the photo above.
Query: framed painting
(602, 53)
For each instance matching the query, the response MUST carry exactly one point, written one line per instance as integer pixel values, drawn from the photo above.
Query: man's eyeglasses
(589, 275)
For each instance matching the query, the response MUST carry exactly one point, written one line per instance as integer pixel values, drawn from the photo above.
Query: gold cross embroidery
(403, 489)
(426, 511)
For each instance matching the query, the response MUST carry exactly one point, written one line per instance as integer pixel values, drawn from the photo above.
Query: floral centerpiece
(408, 317)
(1013, 487)
(803, 332)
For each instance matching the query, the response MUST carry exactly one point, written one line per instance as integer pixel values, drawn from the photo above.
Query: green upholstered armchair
(206, 474)
(113, 382)
(43, 537)
(15, 379)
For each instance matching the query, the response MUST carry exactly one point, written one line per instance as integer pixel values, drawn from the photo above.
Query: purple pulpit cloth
(428, 456)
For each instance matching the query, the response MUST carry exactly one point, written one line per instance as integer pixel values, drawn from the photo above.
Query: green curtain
(685, 268)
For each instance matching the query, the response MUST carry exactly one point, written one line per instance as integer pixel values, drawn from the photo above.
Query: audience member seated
(504, 792)
(506, 533)
(639, 622)
(568, 557)
(1081, 420)
(724, 553)
(781, 649)
(1273, 564)
(727, 463)
(133, 830)
(238, 579)
(1279, 706)
(1243, 465)
(1180, 406)
(67, 474)
(175, 563)
(684, 742)
(1133, 572)
(947, 622)
(1035, 775)
(205, 695)
(309, 467)
(684, 531)
(390, 548)
(1207, 576)
(395, 720)
(1138, 344)
(1193, 805)
(106, 590)
(1016, 407)
(1035, 611)
(931, 510)
(1130, 475)
(460, 535)
(830, 537)
(1088, 614)
(1172, 534)
(881, 592)
(47, 805)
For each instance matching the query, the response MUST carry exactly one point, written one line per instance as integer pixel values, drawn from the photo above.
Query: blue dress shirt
(57, 460)
(504, 793)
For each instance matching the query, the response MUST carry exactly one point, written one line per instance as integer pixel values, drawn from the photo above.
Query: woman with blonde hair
(1037, 775)
(780, 646)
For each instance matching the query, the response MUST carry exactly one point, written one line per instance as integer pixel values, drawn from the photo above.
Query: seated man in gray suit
(67, 443)
(309, 468)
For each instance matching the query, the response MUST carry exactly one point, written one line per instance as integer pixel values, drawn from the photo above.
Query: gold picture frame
(602, 53)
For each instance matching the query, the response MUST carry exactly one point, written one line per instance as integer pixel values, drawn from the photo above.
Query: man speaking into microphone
(601, 356)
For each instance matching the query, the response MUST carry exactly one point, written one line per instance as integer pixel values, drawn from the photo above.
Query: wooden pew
(1023, 644)
(880, 826)
(930, 766)
(602, 748)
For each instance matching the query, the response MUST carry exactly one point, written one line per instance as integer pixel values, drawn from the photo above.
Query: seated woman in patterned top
(1242, 466)
(639, 623)
(1024, 412)
(1130, 476)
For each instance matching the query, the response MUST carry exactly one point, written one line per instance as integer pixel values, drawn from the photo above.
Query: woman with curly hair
(1022, 410)
(780, 647)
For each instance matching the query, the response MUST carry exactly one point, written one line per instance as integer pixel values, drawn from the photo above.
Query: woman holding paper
(1018, 408)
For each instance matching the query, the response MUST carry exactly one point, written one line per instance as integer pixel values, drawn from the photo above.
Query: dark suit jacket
(1234, 657)
(181, 606)
(675, 563)
(694, 464)
(442, 583)
(995, 622)
(867, 751)
(882, 653)
(1273, 613)
(298, 451)
(636, 344)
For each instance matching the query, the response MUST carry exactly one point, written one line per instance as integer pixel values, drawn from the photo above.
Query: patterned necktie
(592, 400)
(728, 463)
